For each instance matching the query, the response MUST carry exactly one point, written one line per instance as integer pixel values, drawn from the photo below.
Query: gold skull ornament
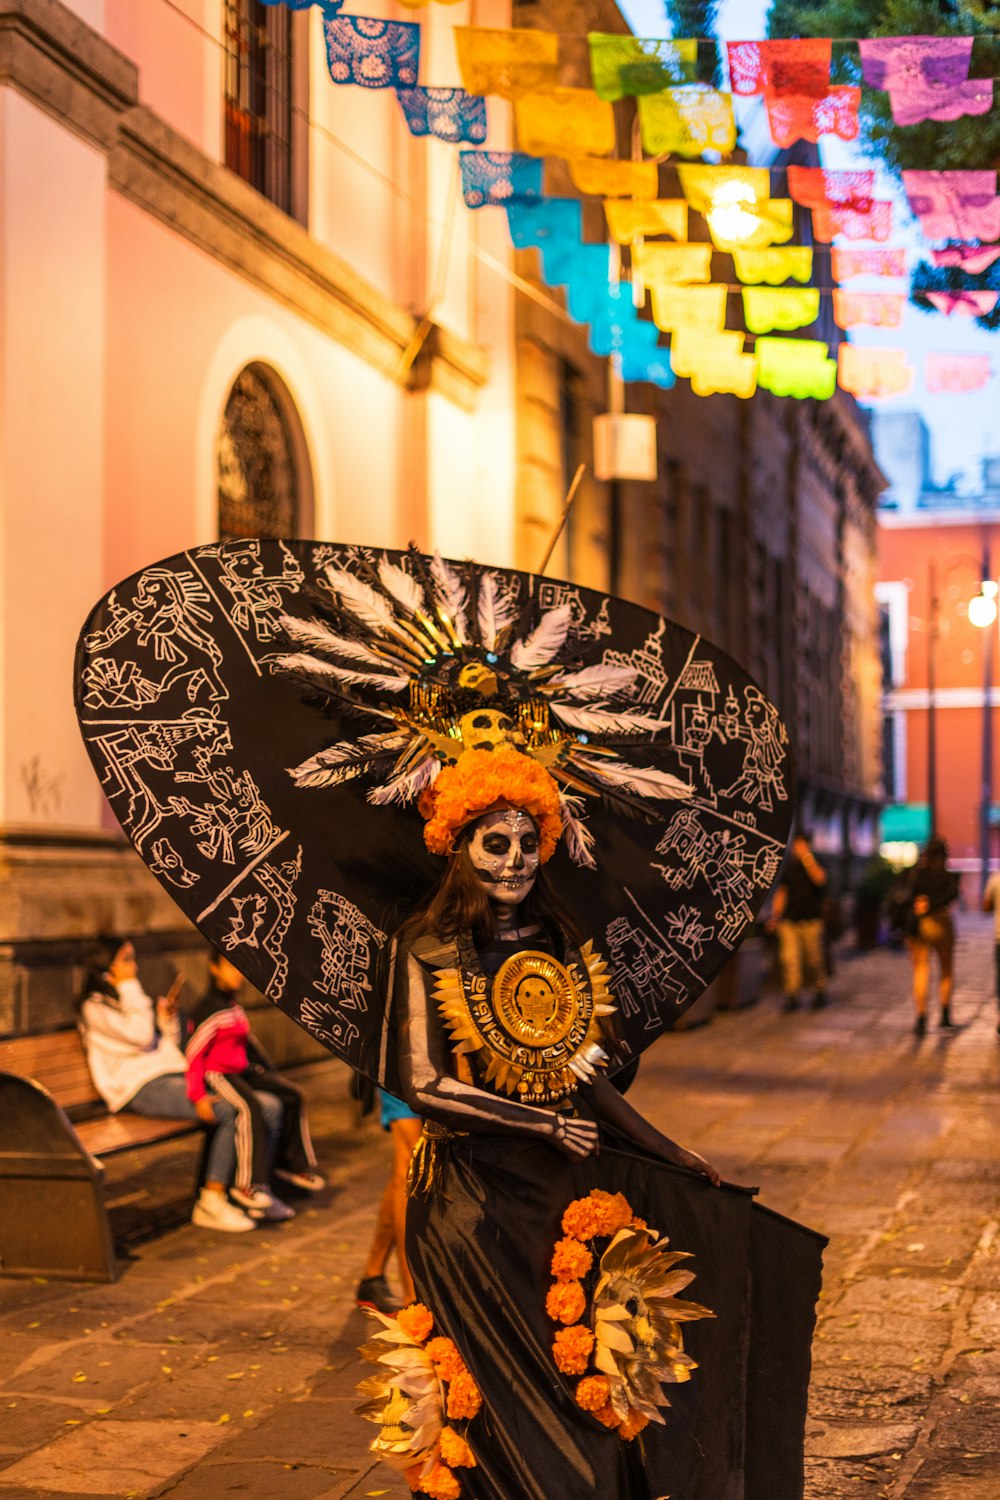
(537, 1001)
(488, 729)
(477, 677)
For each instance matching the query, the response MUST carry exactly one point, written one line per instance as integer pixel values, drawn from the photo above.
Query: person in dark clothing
(991, 902)
(797, 913)
(933, 888)
(224, 1060)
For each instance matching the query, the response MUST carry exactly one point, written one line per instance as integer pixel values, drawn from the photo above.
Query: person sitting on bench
(221, 1069)
(136, 1063)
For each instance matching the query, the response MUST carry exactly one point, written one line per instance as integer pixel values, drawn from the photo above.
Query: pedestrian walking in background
(135, 1060)
(991, 902)
(390, 1230)
(930, 929)
(220, 1066)
(797, 913)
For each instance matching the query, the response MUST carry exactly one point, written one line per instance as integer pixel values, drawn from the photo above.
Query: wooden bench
(53, 1131)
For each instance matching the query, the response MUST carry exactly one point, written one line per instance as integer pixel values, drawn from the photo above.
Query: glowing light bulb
(733, 215)
(982, 610)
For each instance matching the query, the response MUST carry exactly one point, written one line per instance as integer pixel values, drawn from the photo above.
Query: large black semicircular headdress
(263, 715)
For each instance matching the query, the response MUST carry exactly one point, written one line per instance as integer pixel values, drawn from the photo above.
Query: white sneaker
(214, 1211)
(256, 1200)
(278, 1210)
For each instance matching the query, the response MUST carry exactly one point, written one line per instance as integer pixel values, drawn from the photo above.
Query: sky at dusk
(963, 427)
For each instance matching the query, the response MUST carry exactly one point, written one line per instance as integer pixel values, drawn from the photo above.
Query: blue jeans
(166, 1098)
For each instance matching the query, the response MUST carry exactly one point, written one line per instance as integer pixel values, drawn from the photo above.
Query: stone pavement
(224, 1366)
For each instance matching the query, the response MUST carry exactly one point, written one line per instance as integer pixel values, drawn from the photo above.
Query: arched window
(262, 468)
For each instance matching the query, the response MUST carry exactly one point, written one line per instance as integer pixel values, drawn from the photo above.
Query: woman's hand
(575, 1138)
(205, 1109)
(696, 1163)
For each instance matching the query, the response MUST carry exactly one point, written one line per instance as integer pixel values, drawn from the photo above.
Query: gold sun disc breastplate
(535, 999)
(526, 1032)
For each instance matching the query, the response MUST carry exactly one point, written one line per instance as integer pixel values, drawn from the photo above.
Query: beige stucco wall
(138, 277)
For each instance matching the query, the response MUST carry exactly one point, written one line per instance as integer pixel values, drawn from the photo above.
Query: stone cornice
(58, 62)
(61, 64)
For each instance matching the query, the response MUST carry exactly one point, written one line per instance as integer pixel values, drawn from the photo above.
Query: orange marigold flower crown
(482, 781)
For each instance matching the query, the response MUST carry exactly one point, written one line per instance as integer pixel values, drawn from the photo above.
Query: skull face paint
(504, 853)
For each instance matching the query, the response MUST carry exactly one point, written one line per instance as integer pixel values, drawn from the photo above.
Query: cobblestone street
(221, 1366)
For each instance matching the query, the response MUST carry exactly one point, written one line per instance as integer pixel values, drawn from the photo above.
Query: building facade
(941, 723)
(237, 300)
(223, 311)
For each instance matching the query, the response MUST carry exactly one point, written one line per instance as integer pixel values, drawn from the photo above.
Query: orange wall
(953, 549)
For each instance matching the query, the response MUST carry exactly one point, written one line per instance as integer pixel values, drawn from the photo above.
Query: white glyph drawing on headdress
(644, 980)
(348, 941)
(260, 916)
(169, 621)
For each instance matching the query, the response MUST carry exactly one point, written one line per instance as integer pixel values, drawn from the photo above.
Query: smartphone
(170, 998)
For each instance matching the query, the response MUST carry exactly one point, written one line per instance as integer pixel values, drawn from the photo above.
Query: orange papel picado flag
(867, 371)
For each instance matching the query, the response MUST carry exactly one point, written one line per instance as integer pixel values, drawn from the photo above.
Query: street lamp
(983, 606)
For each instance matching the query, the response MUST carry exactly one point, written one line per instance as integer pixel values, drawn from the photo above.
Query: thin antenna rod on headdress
(570, 497)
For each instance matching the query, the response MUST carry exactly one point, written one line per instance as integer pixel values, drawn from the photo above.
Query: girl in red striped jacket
(223, 1060)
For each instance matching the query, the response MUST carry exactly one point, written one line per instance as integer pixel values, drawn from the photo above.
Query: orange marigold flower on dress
(565, 1302)
(455, 1451)
(416, 1321)
(580, 1219)
(571, 1260)
(593, 1393)
(441, 1484)
(642, 1227)
(445, 1357)
(632, 1425)
(571, 1349)
(612, 1210)
(608, 1416)
(464, 1397)
(413, 1474)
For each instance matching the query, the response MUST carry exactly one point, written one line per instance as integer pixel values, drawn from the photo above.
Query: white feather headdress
(440, 653)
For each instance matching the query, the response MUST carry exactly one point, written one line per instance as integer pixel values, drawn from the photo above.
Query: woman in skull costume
(512, 724)
(504, 1030)
(505, 1027)
(492, 904)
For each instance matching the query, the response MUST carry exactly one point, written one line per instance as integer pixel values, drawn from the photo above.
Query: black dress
(480, 1238)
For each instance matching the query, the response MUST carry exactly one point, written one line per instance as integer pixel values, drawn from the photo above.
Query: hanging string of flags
(647, 254)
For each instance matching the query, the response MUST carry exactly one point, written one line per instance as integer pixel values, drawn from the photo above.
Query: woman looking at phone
(135, 1059)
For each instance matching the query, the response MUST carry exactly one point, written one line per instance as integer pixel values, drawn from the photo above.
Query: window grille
(258, 488)
(258, 97)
